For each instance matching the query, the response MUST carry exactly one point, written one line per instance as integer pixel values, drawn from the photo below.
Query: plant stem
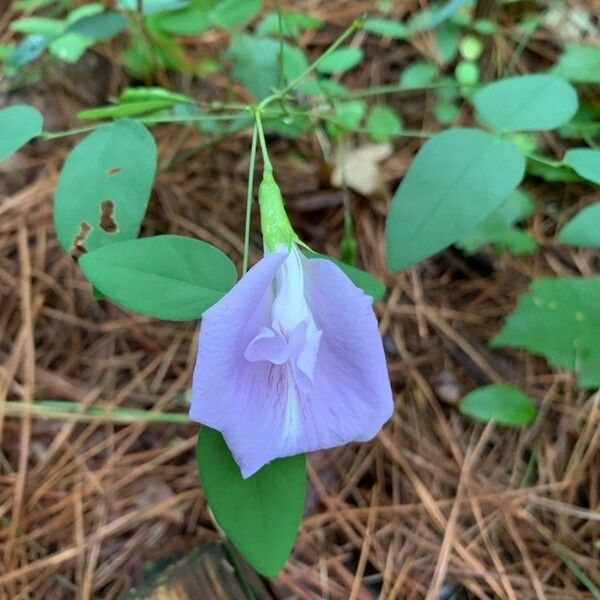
(267, 166)
(280, 35)
(395, 88)
(72, 411)
(357, 24)
(544, 160)
(249, 198)
(53, 135)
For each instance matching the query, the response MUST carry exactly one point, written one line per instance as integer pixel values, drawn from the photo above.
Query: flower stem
(267, 166)
(249, 199)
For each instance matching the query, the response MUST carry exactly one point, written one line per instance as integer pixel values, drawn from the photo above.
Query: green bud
(274, 223)
(471, 47)
(466, 73)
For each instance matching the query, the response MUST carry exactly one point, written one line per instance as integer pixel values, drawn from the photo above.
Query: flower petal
(226, 330)
(268, 345)
(351, 397)
(304, 348)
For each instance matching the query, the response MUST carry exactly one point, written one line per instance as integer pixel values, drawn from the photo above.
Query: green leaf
(445, 111)
(97, 28)
(526, 103)
(386, 28)
(417, 75)
(502, 403)
(585, 162)
(38, 25)
(553, 173)
(153, 6)
(348, 115)
(137, 101)
(485, 26)
(166, 276)
(256, 63)
(230, 14)
(362, 279)
(457, 179)
(292, 24)
(559, 319)
(322, 87)
(142, 94)
(383, 123)
(128, 109)
(69, 47)
(340, 60)
(444, 12)
(583, 229)
(19, 123)
(87, 10)
(260, 514)
(499, 228)
(104, 187)
(31, 48)
(191, 20)
(579, 63)
(447, 40)
(466, 73)
(585, 123)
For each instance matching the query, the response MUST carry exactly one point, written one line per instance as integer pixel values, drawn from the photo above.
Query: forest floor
(437, 506)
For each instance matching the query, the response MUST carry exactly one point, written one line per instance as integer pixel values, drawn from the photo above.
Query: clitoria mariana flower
(291, 359)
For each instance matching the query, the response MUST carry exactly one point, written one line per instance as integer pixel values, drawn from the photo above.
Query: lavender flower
(291, 359)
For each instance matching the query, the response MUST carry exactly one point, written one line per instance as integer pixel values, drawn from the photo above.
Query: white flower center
(289, 307)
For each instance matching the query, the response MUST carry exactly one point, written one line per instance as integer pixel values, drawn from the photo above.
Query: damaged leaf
(105, 183)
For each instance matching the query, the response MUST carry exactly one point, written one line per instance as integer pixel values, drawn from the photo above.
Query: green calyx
(274, 222)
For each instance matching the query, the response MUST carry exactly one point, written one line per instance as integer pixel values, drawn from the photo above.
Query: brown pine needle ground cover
(436, 507)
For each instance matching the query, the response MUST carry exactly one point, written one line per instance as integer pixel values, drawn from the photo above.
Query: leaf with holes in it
(260, 514)
(457, 179)
(502, 403)
(526, 103)
(165, 276)
(18, 124)
(559, 319)
(104, 187)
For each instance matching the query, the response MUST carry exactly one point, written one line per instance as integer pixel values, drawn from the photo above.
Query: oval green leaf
(98, 28)
(502, 403)
(104, 187)
(261, 514)
(18, 124)
(583, 229)
(383, 123)
(579, 63)
(526, 103)
(340, 60)
(256, 63)
(230, 14)
(386, 27)
(456, 180)
(585, 162)
(166, 276)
